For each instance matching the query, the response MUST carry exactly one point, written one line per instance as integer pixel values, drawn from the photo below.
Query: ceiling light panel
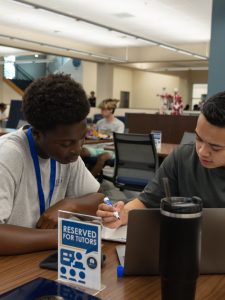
(155, 20)
(48, 22)
(176, 21)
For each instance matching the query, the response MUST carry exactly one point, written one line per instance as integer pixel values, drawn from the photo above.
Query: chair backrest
(135, 158)
(97, 117)
(15, 114)
(121, 118)
(188, 137)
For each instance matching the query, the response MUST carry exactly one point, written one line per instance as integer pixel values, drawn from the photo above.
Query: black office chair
(136, 160)
(188, 138)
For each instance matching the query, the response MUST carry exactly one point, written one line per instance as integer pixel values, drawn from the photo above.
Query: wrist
(69, 205)
(51, 237)
(124, 219)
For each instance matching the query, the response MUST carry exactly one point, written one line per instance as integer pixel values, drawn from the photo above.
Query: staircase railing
(22, 74)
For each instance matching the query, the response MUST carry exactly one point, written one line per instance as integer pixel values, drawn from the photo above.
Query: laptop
(140, 255)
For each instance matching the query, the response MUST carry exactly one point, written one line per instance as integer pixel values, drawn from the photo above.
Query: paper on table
(117, 235)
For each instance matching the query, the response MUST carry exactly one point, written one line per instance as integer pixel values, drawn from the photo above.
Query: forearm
(19, 240)
(87, 204)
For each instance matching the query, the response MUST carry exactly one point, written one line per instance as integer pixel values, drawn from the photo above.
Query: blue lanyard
(38, 173)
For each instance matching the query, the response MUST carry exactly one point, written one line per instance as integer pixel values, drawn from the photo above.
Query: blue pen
(108, 202)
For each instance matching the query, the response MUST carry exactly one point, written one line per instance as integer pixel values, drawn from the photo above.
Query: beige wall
(196, 77)
(104, 81)
(147, 85)
(8, 93)
(186, 81)
(122, 81)
(143, 86)
(89, 77)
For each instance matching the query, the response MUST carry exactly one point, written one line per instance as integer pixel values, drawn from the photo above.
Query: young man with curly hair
(40, 167)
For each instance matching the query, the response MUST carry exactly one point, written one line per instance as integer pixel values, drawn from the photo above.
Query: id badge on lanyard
(38, 173)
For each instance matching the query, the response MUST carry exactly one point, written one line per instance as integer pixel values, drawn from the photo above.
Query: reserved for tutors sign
(79, 249)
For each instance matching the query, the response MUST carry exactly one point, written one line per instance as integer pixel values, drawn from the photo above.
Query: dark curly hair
(214, 109)
(54, 100)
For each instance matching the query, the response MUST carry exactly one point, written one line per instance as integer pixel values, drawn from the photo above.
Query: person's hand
(49, 219)
(106, 213)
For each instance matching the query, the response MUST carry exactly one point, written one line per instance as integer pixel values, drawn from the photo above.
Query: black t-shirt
(187, 177)
(92, 101)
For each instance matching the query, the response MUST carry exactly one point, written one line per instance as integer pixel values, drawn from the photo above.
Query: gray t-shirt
(116, 126)
(19, 201)
(187, 177)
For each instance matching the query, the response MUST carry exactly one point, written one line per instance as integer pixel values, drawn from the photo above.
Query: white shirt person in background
(105, 127)
(109, 123)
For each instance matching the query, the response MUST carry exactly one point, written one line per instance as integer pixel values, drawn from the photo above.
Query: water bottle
(180, 247)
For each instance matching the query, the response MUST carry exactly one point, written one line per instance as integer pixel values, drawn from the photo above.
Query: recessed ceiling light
(185, 52)
(123, 15)
(168, 47)
(123, 37)
(199, 56)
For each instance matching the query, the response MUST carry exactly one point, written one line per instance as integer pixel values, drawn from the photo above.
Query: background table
(166, 149)
(162, 152)
(16, 270)
(97, 141)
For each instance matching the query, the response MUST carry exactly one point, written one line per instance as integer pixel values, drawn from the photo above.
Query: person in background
(3, 115)
(196, 107)
(92, 99)
(108, 124)
(196, 169)
(40, 166)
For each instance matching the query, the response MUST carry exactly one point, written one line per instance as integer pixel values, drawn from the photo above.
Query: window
(9, 67)
(199, 93)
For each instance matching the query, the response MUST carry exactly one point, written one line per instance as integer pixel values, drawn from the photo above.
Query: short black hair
(3, 106)
(214, 109)
(53, 100)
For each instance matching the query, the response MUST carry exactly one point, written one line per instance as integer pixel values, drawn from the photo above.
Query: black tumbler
(180, 247)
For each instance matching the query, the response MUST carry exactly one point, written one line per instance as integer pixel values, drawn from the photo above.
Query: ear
(37, 134)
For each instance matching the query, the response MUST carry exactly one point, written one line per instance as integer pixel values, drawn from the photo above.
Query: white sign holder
(79, 251)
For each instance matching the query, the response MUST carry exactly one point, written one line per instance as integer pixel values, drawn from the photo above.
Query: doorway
(124, 99)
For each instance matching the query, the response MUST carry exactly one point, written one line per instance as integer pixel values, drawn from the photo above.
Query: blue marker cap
(120, 271)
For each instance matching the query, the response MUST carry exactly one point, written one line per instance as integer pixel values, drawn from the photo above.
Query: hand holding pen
(115, 213)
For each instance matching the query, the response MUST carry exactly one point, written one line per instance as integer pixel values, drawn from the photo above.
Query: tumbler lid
(181, 205)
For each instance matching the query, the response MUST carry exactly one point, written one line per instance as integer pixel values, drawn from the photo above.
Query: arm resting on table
(84, 205)
(87, 204)
(18, 240)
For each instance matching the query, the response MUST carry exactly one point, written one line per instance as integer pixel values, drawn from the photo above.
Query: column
(104, 81)
(216, 79)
